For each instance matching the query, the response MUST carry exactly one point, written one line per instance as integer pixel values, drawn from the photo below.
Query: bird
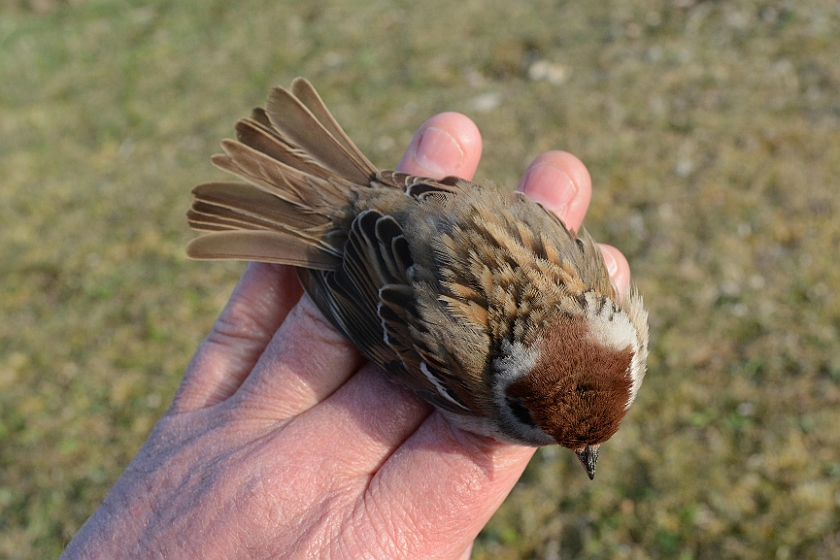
(480, 301)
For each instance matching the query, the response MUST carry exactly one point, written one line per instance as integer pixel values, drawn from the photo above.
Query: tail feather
(253, 134)
(265, 246)
(258, 114)
(302, 171)
(205, 217)
(302, 189)
(212, 222)
(300, 127)
(267, 211)
(237, 206)
(307, 95)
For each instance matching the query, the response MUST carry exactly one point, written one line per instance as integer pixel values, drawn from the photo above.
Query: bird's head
(577, 379)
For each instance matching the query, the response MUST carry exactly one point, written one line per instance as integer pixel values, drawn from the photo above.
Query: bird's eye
(521, 413)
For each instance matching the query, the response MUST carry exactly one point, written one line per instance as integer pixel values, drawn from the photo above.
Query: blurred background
(712, 133)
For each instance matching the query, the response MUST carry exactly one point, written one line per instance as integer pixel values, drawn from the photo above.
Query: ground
(712, 132)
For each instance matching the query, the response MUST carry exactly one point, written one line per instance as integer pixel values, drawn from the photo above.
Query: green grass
(712, 132)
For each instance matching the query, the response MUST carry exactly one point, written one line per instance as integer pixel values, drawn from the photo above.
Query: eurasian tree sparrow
(483, 303)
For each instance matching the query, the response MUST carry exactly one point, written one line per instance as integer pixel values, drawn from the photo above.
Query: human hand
(283, 442)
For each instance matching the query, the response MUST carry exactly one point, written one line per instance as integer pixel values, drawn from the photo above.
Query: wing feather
(371, 299)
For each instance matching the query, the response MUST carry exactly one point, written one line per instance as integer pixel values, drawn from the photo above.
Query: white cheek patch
(608, 326)
(515, 362)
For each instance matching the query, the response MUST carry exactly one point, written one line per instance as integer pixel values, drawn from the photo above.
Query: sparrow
(483, 303)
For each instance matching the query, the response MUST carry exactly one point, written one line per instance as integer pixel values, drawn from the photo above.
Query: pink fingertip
(617, 267)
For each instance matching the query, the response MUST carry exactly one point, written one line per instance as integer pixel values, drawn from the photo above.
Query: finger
(257, 307)
(451, 482)
(618, 268)
(561, 183)
(305, 362)
(446, 144)
(359, 426)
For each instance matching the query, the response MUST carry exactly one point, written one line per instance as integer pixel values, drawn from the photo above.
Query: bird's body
(483, 303)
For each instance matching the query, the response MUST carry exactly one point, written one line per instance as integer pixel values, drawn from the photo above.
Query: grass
(712, 132)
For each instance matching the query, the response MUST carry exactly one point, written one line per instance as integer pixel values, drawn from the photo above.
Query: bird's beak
(588, 457)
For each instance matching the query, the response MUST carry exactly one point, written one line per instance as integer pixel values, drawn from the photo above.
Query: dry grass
(712, 131)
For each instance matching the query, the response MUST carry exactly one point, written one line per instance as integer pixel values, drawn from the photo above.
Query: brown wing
(370, 298)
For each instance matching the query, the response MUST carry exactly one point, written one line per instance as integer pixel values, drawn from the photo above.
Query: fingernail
(438, 153)
(609, 260)
(550, 185)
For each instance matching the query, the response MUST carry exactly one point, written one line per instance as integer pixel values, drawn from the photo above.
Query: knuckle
(237, 323)
(314, 326)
